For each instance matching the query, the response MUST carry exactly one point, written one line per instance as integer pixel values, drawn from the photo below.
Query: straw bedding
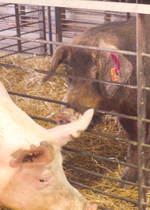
(29, 82)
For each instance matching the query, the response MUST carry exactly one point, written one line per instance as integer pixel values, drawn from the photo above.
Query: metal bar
(42, 30)
(93, 132)
(102, 192)
(7, 16)
(9, 46)
(141, 104)
(146, 145)
(113, 137)
(100, 175)
(145, 54)
(49, 29)
(19, 52)
(73, 105)
(3, 5)
(59, 102)
(12, 46)
(18, 26)
(27, 24)
(70, 45)
(7, 29)
(96, 13)
(30, 53)
(100, 157)
(58, 25)
(89, 5)
(30, 13)
(43, 119)
(145, 205)
(69, 76)
(103, 208)
(29, 32)
(22, 14)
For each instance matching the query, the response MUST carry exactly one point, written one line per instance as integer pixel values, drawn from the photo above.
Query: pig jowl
(109, 67)
(31, 172)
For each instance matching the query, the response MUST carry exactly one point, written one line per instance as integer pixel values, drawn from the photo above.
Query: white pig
(31, 172)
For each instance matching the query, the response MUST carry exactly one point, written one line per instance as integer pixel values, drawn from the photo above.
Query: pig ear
(62, 134)
(60, 54)
(39, 154)
(117, 69)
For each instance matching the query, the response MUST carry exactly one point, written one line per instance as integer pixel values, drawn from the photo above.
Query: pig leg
(130, 174)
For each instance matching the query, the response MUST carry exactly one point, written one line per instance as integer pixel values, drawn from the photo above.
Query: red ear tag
(114, 74)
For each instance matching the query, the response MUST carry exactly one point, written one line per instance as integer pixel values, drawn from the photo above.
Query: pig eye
(97, 76)
(94, 73)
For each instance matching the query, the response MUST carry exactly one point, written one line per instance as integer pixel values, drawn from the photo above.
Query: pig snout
(62, 119)
(67, 116)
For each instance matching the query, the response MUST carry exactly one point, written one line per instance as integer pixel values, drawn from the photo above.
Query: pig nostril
(62, 119)
(61, 122)
(41, 180)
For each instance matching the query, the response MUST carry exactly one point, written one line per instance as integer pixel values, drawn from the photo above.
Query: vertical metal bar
(50, 29)
(58, 24)
(18, 26)
(141, 105)
(107, 17)
(22, 14)
(41, 15)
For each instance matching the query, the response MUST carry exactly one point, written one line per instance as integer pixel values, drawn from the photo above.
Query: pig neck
(126, 103)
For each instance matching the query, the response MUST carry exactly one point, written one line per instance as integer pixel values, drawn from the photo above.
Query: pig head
(107, 66)
(31, 172)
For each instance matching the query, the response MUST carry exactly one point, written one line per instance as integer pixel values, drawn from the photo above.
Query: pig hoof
(129, 174)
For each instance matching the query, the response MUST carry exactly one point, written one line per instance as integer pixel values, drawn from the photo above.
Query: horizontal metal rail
(70, 45)
(89, 5)
(12, 45)
(3, 17)
(72, 105)
(28, 24)
(10, 28)
(22, 51)
(97, 12)
(25, 13)
(90, 131)
(102, 192)
(28, 32)
(3, 5)
(100, 175)
(100, 157)
(69, 76)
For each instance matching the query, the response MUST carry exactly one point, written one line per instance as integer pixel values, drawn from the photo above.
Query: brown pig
(31, 172)
(106, 66)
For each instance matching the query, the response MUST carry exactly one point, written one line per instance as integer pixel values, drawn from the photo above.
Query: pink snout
(68, 115)
(62, 119)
